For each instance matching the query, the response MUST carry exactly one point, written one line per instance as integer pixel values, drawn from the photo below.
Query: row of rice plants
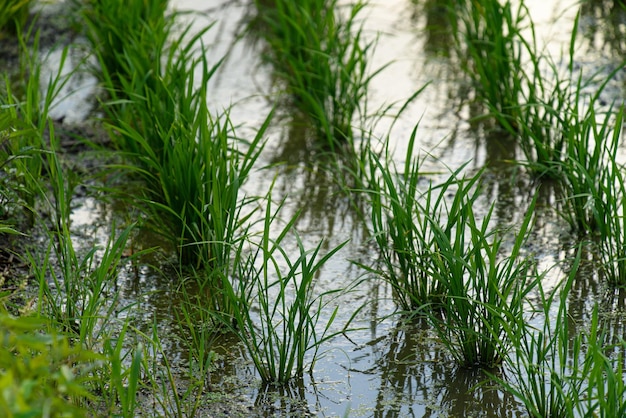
(191, 161)
(195, 166)
(557, 124)
(320, 53)
(477, 299)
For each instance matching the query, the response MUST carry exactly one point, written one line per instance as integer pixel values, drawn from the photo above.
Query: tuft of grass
(321, 54)
(489, 41)
(588, 174)
(276, 313)
(547, 366)
(484, 289)
(13, 16)
(606, 390)
(191, 161)
(557, 374)
(613, 231)
(400, 228)
(128, 39)
(24, 120)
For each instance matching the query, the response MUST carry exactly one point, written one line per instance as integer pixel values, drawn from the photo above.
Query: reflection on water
(604, 25)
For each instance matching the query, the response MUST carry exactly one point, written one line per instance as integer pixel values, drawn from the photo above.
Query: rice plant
(484, 288)
(489, 40)
(399, 214)
(322, 57)
(548, 368)
(128, 38)
(587, 173)
(24, 112)
(613, 231)
(74, 295)
(605, 387)
(13, 15)
(557, 374)
(191, 161)
(276, 313)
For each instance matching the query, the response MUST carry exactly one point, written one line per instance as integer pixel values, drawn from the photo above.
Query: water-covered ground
(383, 367)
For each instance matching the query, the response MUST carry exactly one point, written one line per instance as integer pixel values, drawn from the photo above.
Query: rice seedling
(276, 314)
(546, 371)
(557, 374)
(25, 118)
(162, 380)
(75, 296)
(199, 182)
(128, 38)
(613, 231)
(185, 155)
(13, 15)
(484, 290)
(400, 228)
(489, 40)
(197, 320)
(122, 381)
(322, 58)
(545, 107)
(606, 390)
(587, 173)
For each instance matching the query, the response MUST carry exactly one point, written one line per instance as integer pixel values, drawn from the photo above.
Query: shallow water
(384, 368)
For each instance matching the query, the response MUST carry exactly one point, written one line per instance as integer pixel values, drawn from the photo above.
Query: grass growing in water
(276, 314)
(192, 162)
(557, 374)
(400, 228)
(588, 172)
(128, 38)
(484, 290)
(489, 40)
(322, 56)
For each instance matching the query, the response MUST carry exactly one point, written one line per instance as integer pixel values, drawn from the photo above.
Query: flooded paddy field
(370, 354)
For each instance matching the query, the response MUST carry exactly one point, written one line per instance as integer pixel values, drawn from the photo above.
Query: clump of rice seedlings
(128, 39)
(13, 15)
(606, 390)
(587, 175)
(73, 297)
(276, 314)
(73, 293)
(400, 228)
(613, 238)
(191, 161)
(24, 110)
(489, 40)
(195, 186)
(122, 375)
(321, 55)
(545, 368)
(557, 374)
(484, 289)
